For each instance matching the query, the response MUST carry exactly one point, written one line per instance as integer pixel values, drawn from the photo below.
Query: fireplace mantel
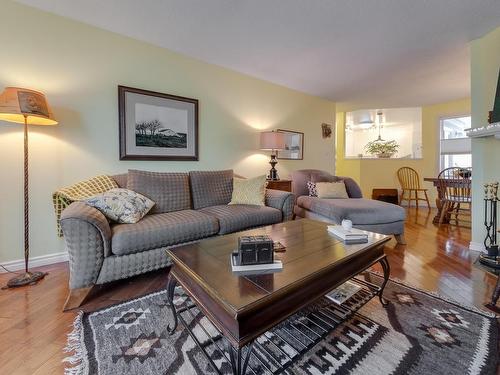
(490, 130)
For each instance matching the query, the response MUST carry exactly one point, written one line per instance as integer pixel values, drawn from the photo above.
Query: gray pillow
(211, 188)
(170, 191)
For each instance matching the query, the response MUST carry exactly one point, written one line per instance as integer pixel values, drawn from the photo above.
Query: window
(455, 146)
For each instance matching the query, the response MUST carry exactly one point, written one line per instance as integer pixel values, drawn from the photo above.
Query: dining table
(441, 186)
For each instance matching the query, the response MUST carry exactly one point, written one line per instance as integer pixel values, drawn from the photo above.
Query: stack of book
(352, 236)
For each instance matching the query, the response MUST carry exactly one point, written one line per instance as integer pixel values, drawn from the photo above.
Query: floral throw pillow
(121, 205)
(311, 186)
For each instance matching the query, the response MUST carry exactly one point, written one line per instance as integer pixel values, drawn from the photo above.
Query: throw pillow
(121, 205)
(331, 190)
(249, 191)
(169, 190)
(311, 186)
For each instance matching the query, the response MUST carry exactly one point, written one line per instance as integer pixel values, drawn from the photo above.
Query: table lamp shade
(272, 140)
(16, 104)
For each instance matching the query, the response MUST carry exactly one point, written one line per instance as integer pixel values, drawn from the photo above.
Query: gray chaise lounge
(191, 206)
(367, 214)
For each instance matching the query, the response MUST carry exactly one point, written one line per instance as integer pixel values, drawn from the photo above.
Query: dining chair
(455, 186)
(410, 183)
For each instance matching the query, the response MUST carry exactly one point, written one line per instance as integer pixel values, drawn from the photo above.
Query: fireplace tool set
(492, 259)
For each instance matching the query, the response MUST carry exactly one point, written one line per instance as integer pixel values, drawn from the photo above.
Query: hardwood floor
(33, 327)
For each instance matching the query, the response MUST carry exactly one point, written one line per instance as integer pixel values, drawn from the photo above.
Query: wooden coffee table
(244, 307)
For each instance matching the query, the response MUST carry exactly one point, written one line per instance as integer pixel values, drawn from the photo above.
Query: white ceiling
(377, 53)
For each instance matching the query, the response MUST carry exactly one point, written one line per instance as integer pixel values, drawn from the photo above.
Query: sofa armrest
(281, 200)
(87, 235)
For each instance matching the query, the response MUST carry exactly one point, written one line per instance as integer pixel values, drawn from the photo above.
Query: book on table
(348, 236)
(343, 292)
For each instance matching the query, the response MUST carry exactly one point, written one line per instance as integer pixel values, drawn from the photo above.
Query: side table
(285, 185)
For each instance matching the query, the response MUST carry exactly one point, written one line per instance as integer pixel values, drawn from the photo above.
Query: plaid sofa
(189, 207)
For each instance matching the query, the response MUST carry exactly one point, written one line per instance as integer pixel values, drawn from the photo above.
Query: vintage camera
(254, 250)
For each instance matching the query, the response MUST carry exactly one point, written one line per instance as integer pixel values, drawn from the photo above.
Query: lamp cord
(9, 271)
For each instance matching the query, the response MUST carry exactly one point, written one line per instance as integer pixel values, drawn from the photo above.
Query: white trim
(42, 260)
(477, 246)
(490, 130)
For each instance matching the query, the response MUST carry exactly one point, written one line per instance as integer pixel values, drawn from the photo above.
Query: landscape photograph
(158, 126)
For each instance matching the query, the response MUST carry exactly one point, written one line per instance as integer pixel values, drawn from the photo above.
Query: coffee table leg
(387, 270)
(236, 359)
(496, 293)
(172, 282)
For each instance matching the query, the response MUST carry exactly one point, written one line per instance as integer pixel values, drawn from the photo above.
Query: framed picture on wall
(294, 145)
(157, 126)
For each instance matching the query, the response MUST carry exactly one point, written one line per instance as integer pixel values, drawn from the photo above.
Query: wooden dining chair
(455, 185)
(410, 183)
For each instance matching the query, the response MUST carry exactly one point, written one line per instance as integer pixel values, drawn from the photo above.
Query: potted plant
(382, 149)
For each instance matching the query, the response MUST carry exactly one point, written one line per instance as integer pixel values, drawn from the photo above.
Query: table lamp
(272, 141)
(26, 107)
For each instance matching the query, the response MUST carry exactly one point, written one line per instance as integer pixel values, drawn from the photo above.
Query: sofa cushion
(241, 216)
(358, 210)
(331, 190)
(162, 230)
(169, 191)
(249, 191)
(211, 188)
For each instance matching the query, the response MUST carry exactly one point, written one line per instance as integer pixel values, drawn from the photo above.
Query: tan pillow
(249, 191)
(331, 190)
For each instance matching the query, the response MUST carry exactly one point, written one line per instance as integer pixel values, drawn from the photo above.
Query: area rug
(417, 333)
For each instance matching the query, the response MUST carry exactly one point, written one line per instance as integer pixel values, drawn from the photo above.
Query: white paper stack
(351, 236)
(277, 265)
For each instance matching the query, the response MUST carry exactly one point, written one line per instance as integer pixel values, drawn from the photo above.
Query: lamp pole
(26, 198)
(27, 277)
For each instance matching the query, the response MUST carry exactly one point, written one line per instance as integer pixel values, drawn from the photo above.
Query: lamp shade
(16, 104)
(272, 140)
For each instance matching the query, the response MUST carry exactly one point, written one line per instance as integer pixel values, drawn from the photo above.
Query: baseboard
(477, 246)
(42, 260)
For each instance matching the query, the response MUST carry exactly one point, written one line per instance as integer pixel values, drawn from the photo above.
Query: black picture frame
(286, 154)
(153, 145)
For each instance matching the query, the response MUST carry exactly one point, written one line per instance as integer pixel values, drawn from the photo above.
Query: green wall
(79, 68)
(485, 63)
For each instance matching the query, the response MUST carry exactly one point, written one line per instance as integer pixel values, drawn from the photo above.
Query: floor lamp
(25, 107)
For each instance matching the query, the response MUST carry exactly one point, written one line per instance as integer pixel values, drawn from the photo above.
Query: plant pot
(385, 155)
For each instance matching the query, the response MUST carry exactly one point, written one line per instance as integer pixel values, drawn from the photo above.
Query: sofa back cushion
(120, 179)
(301, 177)
(211, 188)
(169, 191)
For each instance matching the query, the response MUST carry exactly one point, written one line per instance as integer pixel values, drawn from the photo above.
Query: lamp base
(27, 278)
(273, 173)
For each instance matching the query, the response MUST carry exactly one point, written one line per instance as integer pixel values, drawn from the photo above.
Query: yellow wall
(79, 68)
(485, 63)
(381, 173)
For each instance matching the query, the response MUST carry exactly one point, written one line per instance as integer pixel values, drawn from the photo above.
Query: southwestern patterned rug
(418, 333)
